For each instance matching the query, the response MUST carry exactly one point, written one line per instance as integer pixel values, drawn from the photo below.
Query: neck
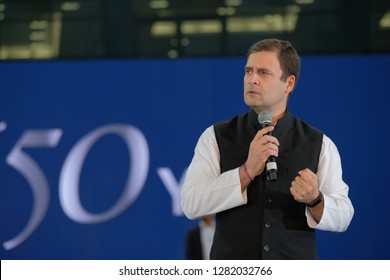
(277, 117)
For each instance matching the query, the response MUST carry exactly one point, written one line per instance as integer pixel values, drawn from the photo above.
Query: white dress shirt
(206, 238)
(207, 191)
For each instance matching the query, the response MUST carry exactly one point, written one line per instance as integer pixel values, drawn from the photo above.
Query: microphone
(265, 120)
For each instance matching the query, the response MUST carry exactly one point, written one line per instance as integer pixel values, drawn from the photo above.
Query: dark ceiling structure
(188, 28)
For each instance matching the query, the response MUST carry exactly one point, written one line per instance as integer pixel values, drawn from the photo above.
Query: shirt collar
(285, 121)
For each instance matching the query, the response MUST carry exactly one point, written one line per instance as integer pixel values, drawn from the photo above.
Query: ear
(290, 83)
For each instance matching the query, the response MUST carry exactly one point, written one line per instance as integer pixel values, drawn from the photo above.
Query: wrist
(247, 173)
(316, 201)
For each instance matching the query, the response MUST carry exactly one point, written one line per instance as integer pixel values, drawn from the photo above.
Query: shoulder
(305, 127)
(328, 146)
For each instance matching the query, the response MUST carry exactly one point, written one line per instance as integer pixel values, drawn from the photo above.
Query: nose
(254, 79)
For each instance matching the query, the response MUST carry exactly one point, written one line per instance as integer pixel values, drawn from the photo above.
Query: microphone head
(265, 119)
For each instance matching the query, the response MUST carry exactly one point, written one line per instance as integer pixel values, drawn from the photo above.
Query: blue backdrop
(92, 153)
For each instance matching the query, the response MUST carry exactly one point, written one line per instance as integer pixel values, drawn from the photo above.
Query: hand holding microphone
(265, 120)
(262, 151)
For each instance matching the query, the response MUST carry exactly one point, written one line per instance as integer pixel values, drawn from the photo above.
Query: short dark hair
(289, 59)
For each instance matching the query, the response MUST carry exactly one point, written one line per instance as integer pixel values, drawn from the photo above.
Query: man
(257, 218)
(200, 238)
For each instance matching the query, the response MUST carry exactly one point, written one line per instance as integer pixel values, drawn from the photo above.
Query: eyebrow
(258, 69)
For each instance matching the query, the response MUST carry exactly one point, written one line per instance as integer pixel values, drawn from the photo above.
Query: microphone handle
(271, 166)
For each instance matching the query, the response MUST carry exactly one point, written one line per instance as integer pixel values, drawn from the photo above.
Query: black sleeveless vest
(272, 225)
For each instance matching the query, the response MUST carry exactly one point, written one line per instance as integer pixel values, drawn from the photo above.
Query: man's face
(263, 88)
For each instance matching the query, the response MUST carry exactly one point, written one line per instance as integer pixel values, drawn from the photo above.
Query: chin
(251, 102)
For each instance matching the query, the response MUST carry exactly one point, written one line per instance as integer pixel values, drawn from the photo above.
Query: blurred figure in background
(200, 238)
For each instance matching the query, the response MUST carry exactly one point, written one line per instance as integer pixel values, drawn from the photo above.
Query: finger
(263, 131)
(271, 146)
(266, 142)
(269, 139)
(297, 186)
(296, 194)
(302, 186)
(307, 180)
(307, 174)
(300, 180)
(303, 179)
(310, 180)
(292, 191)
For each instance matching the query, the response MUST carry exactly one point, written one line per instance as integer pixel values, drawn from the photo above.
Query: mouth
(253, 92)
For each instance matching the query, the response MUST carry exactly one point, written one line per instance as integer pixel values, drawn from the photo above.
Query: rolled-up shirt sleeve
(338, 209)
(205, 190)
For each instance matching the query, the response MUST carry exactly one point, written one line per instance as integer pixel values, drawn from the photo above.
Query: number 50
(70, 174)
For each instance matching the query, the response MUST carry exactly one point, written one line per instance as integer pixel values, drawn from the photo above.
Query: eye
(264, 72)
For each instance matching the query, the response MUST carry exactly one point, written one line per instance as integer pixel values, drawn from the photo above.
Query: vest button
(266, 247)
(267, 224)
